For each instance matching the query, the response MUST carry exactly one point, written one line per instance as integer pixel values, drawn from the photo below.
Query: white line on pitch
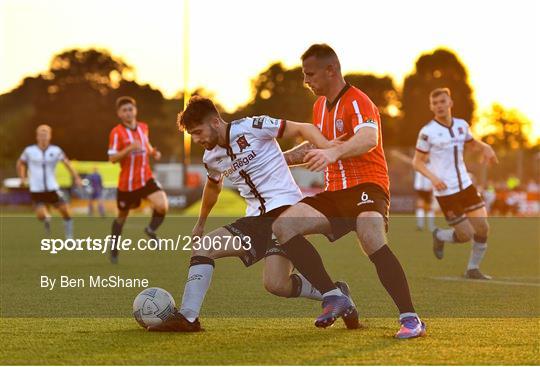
(503, 282)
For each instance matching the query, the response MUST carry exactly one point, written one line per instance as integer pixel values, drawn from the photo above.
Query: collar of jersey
(445, 126)
(127, 127)
(330, 105)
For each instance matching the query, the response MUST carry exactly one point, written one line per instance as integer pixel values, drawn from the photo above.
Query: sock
(333, 292)
(47, 224)
(308, 262)
(68, 227)
(420, 217)
(155, 222)
(446, 235)
(303, 288)
(393, 278)
(431, 219)
(116, 230)
(198, 282)
(478, 250)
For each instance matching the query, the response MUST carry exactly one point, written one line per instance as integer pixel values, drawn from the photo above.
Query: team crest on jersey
(339, 125)
(242, 143)
(424, 137)
(460, 131)
(258, 122)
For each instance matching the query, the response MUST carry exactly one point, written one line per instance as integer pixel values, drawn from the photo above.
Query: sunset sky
(232, 41)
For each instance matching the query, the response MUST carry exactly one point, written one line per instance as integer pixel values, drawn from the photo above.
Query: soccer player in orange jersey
(356, 196)
(130, 146)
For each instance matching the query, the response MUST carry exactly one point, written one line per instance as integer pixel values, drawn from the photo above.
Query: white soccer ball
(152, 306)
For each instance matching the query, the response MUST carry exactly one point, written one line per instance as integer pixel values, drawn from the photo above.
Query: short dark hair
(319, 51)
(437, 92)
(196, 111)
(120, 101)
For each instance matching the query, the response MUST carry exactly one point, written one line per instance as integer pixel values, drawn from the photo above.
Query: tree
(441, 68)
(505, 129)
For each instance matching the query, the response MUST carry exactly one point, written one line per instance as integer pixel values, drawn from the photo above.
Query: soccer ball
(152, 306)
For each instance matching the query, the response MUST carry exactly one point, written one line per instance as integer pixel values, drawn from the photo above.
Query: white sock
(333, 292)
(408, 314)
(198, 282)
(420, 213)
(431, 220)
(446, 235)
(309, 291)
(68, 228)
(478, 250)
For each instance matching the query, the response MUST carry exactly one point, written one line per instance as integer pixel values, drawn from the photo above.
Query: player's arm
(22, 170)
(118, 156)
(211, 192)
(74, 175)
(488, 154)
(362, 142)
(295, 156)
(419, 163)
(307, 132)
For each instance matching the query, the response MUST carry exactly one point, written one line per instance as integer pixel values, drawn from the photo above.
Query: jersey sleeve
(24, 156)
(468, 134)
(212, 174)
(266, 127)
(423, 144)
(114, 143)
(364, 115)
(61, 155)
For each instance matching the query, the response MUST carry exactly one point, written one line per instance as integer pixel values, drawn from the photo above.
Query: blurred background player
(247, 153)
(424, 210)
(442, 141)
(36, 167)
(130, 146)
(96, 185)
(356, 196)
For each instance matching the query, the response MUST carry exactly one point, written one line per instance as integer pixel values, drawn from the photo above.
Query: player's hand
(318, 159)
(156, 154)
(198, 230)
(24, 182)
(338, 141)
(438, 184)
(489, 156)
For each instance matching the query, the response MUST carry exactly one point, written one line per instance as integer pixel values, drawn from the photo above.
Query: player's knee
(203, 253)
(481, 229)
(281, 231)
(276, 287)
(462, 236)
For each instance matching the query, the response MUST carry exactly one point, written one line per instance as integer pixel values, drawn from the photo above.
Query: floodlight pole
(186, 138)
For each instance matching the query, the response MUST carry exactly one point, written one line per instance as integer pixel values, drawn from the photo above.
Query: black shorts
(455, 206)
(342, 207)
(126, 200)
(259, 231)
(425, 196)
(55, 198)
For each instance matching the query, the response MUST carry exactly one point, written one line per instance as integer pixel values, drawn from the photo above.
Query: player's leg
(370, 229)
(279, 279)
(420, 212)
(160, 206)
(42, 214)
(430, 212)
(289, 229)
(116, 231)
(201, 269)
(479, 222)
(61, 205)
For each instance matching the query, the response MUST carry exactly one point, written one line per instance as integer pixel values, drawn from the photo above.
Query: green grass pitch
(468, 322)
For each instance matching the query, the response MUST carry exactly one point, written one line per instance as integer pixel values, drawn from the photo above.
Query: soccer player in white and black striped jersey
(36, 167)
(442, 141)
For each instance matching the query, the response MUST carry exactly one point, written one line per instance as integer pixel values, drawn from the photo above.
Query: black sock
(116, 231)
(155, 222)
(393, 278)
(296, 286)
(308, 262)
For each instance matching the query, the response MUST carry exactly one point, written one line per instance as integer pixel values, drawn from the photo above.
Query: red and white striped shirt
(351, 111)
(134, 168)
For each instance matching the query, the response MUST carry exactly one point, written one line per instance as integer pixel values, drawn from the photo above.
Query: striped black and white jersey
(445, 145)
(255, 165)
(41, 165)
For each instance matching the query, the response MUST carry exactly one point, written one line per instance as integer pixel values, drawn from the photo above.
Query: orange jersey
(351, 111)
(134, 168)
